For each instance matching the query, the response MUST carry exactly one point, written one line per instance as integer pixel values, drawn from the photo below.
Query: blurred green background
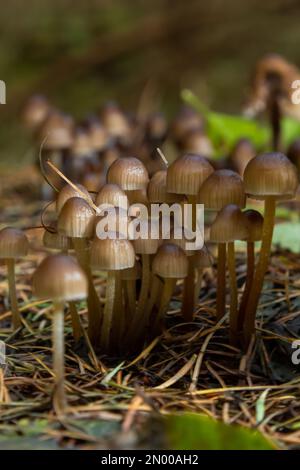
(141, 53)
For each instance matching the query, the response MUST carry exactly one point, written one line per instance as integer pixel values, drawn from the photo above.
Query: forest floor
(117, 402)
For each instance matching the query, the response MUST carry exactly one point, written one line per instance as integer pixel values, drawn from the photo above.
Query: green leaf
(225, 130)
(196, 432)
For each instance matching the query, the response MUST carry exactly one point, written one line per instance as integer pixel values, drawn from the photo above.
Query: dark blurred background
(141, 53)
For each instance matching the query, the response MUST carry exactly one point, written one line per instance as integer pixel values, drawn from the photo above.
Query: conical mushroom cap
(271, 174)
(229, 225)
(187, 174)
(129, 173)
(112, 195)
(35, 111)
(60, 278)
(254, 222)
(56, 241)
(56, 131)
(76, 219)
(157, 189)
(170, 262)
(221, 188)
(112, 254)
(13, 243)
(67, 192)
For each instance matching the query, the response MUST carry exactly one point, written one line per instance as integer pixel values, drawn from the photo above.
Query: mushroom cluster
(128, 281)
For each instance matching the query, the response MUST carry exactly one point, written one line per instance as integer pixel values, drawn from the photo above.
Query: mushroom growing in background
(13, 245)
(60, 279)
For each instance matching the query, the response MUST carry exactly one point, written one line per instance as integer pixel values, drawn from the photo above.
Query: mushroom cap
(187, 119)
(196, 141)
(229, 225)
(76, 219)
(60, 278)
(157, 189)
(98, 135)
(112, 254)
(115, 121)
(57, 131)
(254, 222)
(93, 181)
(187, 174)
(170, 262)
(67, 192)
(221, 188)
(241, 155)
(271, 174)
(156, 127)
(113, 195)
(129, 173)
(35, 111)
(13, 243)
(202, 258)
(56, 241)
(81, 145)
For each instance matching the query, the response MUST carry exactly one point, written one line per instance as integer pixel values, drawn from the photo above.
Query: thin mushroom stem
(119, 321)
(16, 317)
(111, 285)
(221, 280)
(130, 294)
(138, 332)
(248, 284)
(95, 314)
(188, 301)
(167, 292)
(198, 285)
(75, 319)
(261, 269)
(233, 293)
(139, 317)
(189, 292)
(58, 345)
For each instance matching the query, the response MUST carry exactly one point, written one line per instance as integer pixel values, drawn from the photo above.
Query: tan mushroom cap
(221, 188)
(13, 243)
(271, 174)
(112, 254)
(67, 192)
(115, 121)
(229, 225)
(76, 219)
(254, 222)
(157, 190)
(170, 262)
(202, 258)
(187, 174)
(113, 195)
(35, 111)
(56, 132)
(56, 241)
(60, 278)
(81, 145)
(98, 136)
(129, 173)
